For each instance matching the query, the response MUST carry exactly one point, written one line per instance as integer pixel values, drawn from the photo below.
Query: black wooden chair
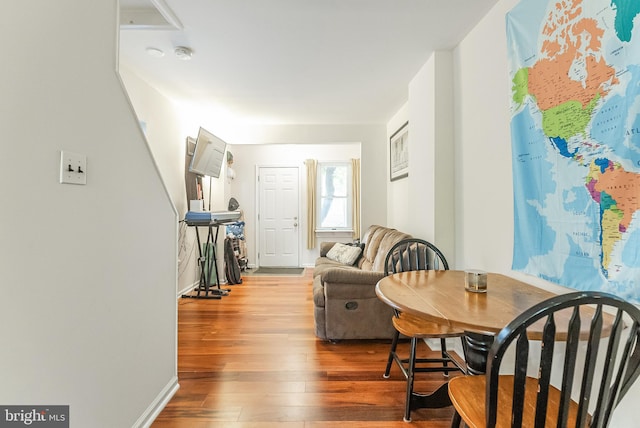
(594, 375)
(410, 255)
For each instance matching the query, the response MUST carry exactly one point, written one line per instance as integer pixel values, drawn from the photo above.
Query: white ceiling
(297, 61)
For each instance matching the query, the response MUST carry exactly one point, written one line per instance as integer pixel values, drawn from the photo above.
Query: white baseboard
(193, 286)
(187, 290)
(146, 419)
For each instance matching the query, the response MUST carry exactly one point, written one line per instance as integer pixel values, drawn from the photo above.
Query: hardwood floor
(252, 360)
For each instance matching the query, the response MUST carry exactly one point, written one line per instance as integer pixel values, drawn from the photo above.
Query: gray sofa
(344, 297)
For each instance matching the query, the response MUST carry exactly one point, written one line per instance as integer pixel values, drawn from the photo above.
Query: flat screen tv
(208, 154)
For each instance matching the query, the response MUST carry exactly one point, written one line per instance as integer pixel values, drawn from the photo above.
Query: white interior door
(278, 216)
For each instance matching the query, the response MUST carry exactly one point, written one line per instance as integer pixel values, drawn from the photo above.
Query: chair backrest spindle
(544, 373)
(414, 254)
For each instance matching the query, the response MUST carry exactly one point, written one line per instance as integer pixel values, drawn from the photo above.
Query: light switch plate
(73, 168)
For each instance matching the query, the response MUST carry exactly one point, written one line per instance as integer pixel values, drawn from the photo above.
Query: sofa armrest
(351, 276)
(351, 284)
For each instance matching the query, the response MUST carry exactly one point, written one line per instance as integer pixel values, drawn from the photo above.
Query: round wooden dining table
(440, 296)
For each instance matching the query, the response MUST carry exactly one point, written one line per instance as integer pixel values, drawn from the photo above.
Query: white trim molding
(146, 419)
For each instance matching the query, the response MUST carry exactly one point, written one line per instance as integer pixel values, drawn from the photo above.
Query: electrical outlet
(73, 168)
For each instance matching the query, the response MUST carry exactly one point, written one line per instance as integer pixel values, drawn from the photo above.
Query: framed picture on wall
(399, 153)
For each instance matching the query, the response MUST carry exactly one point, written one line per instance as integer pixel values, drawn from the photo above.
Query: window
(334, 192)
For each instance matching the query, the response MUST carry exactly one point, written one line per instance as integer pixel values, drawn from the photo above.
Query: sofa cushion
(326, 261)
(345, 254)
(372, 240)
(378, 241)
(323, 264)
(386, 243)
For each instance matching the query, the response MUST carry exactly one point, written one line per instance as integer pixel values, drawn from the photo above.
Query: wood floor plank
(252, 360)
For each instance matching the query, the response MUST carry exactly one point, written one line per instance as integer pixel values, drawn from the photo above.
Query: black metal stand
(436, 400)
(205, 290)
(476, 350)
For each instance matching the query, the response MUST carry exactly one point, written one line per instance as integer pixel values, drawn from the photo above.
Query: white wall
(244, 187)
(168, 123)
(88, 309)
(373, 154)
(398, 196)
(483, 147)
(166, 135)
(423, 203)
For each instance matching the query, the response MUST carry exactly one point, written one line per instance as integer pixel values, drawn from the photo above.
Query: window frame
(349, 197)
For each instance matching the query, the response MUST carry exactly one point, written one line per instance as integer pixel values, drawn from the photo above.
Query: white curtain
(312, 166)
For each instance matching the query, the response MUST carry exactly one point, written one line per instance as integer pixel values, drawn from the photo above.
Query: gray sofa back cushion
(378, 241)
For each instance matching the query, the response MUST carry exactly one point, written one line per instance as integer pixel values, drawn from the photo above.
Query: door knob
(295, 224)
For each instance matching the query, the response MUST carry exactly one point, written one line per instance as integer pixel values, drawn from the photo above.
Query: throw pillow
(358, 244)
(345, 254)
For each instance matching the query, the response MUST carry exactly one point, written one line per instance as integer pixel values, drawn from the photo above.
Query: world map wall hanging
(575, 129)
